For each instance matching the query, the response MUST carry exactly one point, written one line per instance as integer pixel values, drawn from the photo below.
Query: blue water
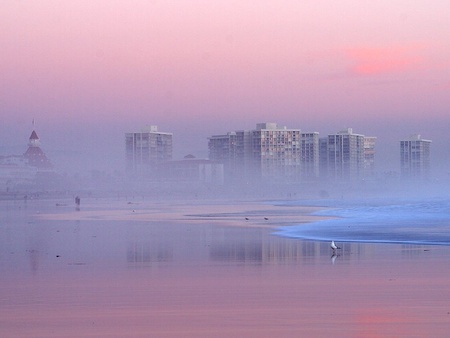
(424, 222)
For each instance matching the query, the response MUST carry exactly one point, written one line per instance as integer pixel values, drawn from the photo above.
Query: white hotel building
(147, 149)
(268, 152)
(415, 157)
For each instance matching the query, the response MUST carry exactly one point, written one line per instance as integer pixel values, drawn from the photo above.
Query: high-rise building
(369, 155)
(146, 149)
(310, 155)
(323, 157)
(234, 151)
(415, 157)
(268, 153)
(276, 152)
(345, 155)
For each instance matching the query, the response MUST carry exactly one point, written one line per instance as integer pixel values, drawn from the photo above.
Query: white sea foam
(400, 221)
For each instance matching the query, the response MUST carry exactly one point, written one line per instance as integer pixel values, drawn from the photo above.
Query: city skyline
(88, 72)
(150, 129)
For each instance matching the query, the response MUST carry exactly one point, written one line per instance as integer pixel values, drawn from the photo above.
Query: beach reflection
(142, 253)
(104, 245)
(261, 246)
(195, 278)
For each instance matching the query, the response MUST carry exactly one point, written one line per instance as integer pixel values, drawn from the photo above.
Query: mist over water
(100, 245)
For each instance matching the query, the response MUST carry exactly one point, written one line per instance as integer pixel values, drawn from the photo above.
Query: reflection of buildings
(258, 246)
(146, 253)
(191, 245)
(145, 150)
(415, 157)
(22, 170)
(268, 153)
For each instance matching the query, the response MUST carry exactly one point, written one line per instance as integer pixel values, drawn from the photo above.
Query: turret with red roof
(34, 154)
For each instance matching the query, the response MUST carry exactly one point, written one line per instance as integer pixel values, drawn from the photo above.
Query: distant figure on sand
(77, 200)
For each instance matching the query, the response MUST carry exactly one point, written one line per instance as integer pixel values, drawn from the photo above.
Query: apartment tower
(415, 157)
(147, 149)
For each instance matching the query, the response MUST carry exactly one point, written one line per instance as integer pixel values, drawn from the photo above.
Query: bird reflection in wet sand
(333, 257)
(334, 247)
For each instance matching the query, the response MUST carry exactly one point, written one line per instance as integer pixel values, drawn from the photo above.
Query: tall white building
(310, 155)
(268, 152)
(146, 149)
(415, 157)
(345, 155)
(369, 155)
(233, 150)
(276, 152)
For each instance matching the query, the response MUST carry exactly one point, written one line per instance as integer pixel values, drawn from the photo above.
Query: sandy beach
(262, 214)
(201, 269)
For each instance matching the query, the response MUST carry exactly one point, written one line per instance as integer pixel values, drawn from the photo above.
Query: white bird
(334, 246)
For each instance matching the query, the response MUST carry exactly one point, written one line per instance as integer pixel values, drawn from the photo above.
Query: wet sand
(243, 214)
(199, 269)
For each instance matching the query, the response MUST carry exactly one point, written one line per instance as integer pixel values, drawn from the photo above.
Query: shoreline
(277, 216)
(199, 269)
(262, 214)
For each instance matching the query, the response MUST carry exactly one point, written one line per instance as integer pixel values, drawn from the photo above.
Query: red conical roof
(34, 136)
(35, 156)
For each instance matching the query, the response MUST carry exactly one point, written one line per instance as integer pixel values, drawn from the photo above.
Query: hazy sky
(89, 71)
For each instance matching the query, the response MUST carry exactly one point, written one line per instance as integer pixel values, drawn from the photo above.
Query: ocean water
(422, 222)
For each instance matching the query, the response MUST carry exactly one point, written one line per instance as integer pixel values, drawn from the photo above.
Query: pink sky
(198, 68)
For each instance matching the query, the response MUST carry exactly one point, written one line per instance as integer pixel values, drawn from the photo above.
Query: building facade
(34, 154)
(369, 156)
(191, 170)
(310, 155)
(276, 152)
(145, 150)
(415, 158)
(22, 171)
(347, 155)
(267, 153)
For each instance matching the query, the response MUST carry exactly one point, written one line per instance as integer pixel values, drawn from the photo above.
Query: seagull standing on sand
(334, 246)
